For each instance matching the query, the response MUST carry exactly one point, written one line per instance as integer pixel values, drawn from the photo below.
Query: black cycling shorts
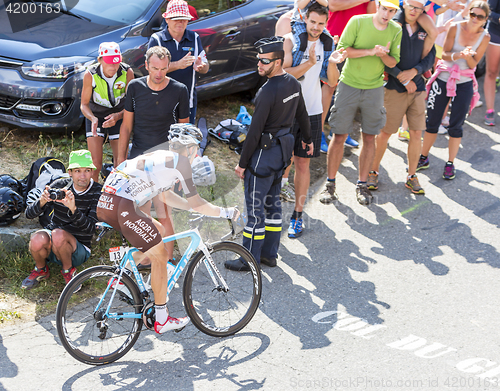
(124, 216)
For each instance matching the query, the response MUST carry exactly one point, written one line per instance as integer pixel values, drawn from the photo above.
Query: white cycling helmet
(33, 196)
(203, 171)
(185, 134)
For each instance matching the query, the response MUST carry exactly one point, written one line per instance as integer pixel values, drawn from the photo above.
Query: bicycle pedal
(179, 330)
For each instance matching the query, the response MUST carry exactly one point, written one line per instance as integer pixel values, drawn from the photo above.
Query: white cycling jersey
(144, 177)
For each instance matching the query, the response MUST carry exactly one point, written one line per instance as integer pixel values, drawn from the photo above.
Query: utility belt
(268, 140)
(285, 139)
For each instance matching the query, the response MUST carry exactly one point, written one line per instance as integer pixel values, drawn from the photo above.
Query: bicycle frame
(196, 243)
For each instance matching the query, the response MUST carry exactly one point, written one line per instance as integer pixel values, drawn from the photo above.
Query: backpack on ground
(231, 132)
(43, 172)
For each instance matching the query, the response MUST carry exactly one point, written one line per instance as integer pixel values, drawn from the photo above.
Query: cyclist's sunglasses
(266, 61)
(479, 17)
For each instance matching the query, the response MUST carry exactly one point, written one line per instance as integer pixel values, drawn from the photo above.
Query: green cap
(80, 159)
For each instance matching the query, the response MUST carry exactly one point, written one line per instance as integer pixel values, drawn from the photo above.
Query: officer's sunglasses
(266, 61)
(479, 17)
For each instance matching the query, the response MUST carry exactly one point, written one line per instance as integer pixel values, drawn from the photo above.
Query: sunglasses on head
(479, 17)
(266, 61)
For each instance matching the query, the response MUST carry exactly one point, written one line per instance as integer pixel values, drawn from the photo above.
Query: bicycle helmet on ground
(203, 171)
(7, 180)
(185, 134)
(11, 206)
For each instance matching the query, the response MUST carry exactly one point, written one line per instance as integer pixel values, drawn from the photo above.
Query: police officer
(267, 151)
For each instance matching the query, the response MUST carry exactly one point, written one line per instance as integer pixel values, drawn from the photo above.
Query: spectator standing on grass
(152, 104)
(492, 62)
(465, 45)
(267, 151)
(404, 94)
(103, 101)
(188, 55)
(372, 42)
(308, 67)
(66, 241)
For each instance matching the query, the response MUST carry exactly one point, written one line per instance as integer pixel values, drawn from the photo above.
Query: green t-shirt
(367, 72)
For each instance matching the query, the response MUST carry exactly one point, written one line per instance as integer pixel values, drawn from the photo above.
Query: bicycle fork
(211, 268)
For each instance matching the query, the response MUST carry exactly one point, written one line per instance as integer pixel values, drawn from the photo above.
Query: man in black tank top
(267, 151)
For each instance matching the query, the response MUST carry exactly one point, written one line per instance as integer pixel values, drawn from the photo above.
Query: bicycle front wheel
(83, 327)
(212, 308)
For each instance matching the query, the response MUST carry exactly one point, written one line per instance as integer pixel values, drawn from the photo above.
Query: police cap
(269, 45)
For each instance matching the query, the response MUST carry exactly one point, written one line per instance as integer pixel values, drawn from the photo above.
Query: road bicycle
(99, 328)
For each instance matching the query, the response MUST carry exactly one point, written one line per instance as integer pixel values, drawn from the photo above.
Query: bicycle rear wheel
(85, 332)
(211, 308)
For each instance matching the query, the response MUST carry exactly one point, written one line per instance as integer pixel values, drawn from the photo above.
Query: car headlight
(56, 68)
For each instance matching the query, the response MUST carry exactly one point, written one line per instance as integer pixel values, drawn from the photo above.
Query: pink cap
(110, 52)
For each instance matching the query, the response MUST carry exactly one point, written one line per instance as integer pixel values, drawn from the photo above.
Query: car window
(206, 8)
(112, 12)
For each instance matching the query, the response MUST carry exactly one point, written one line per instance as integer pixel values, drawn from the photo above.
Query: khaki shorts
(400, 103)
(347, 102)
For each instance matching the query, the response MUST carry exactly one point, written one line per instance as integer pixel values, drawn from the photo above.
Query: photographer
(66, 242)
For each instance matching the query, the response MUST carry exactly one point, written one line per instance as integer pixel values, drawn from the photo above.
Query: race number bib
(116, 254)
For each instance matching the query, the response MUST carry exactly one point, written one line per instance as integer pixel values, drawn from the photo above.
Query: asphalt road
(400, 295)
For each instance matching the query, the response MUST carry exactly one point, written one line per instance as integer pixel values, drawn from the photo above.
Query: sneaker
(414, 186)
(363, 195)
(328, 195)
(69, 276)
(479, 103)
(449, 171)
(287, 192)
(403, 134)
(442, 130)
(324, 144)
(422, 163)
(35, 277)
(171, 324)
(372, 182)
(296, 228)
(350, 142)
(489, 118)
(446, 121)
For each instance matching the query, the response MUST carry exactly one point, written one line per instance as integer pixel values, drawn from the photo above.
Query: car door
(219, 26)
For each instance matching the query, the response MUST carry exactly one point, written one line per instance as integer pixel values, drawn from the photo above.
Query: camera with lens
(57, 194)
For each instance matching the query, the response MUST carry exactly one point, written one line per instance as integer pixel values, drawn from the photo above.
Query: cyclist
(137, 181)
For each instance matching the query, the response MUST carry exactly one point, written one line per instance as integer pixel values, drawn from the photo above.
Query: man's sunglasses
(479, 17)
(266, 61)
(413, 8)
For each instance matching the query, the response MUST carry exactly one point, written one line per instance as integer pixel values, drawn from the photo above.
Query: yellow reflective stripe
(256, 237)
(275, 229)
